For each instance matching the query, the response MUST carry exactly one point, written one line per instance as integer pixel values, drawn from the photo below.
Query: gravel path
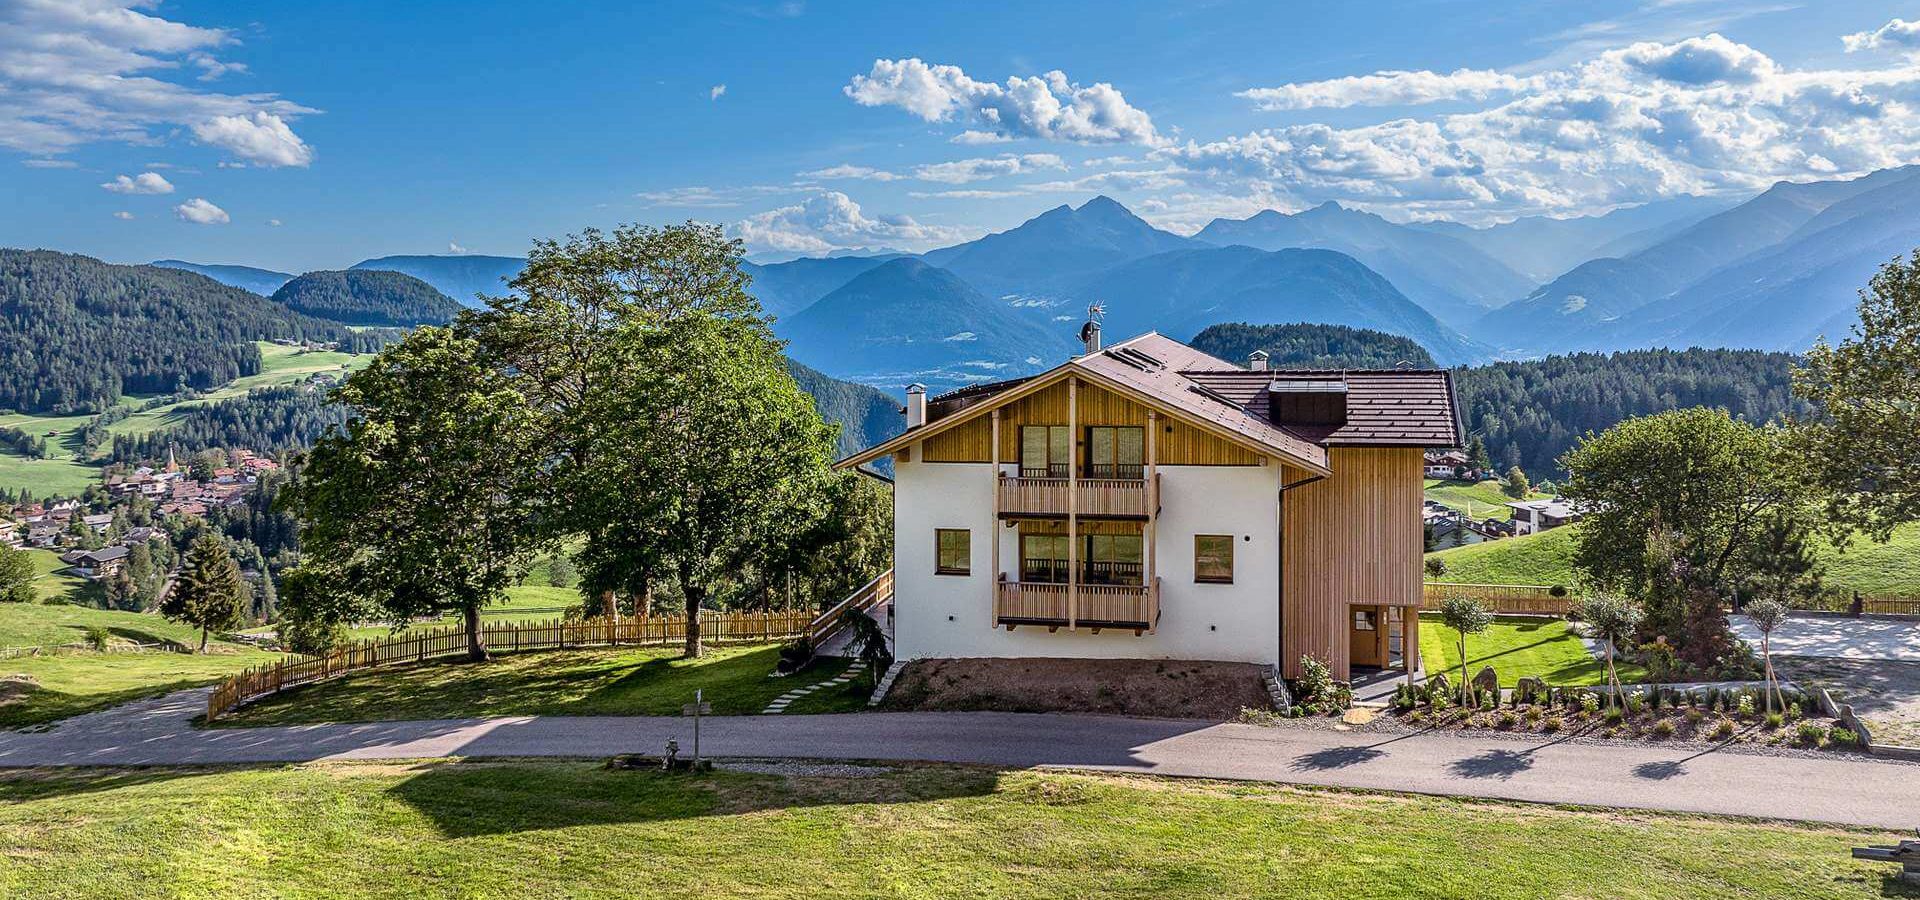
(1851, 790)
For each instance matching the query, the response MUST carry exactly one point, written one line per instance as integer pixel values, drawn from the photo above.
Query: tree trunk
(476, 643)
(1613, 676)
(203, 639)
(696, 595)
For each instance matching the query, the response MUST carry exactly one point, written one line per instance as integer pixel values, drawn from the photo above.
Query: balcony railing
(1092, 571)
(1097, 606)
(1114, 498)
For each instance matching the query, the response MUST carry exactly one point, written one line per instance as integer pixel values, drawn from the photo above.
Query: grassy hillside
(67, 474)
(1547, 558)
(1479, 500)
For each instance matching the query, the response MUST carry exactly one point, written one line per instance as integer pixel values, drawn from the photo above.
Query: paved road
(1848, 790)
(1838, 637)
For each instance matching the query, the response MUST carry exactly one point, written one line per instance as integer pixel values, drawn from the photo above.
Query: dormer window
(1320, 401)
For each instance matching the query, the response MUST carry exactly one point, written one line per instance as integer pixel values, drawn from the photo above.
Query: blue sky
(300, 136)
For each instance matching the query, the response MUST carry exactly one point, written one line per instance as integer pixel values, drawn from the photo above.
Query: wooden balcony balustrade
(1100, 498)
(1090, 606)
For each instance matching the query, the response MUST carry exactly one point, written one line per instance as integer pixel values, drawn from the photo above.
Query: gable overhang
(1074, 370)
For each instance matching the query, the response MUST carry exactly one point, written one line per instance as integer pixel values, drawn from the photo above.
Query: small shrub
(1315, 681)
(1745, 706)
(1508, 719)
(1589, 702)
(1609, 731)
(1533, 713)
(1552, 724)
(1793, 711)
(1775, 720)
(1811, 733)
(1663, 728)
(1436, 566)
(1558, 590)
(1694, 715)
(1723, 729)
(1488, 700)
(98, 637)
(1614, 716)
(1635, 703)
(1843, 737)
(1417, 716)
(1265, 717)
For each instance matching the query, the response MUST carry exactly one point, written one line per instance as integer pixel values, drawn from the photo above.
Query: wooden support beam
(1073, 502)
(993, 530)
(1153, 516)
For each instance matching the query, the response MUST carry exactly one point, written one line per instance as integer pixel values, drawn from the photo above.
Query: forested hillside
(77, 333)
(268, 420)
(866, 415)
(367, 297)
(1531, 412)
(1302, 346)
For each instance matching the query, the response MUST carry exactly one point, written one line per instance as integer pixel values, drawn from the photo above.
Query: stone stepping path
(780, 703)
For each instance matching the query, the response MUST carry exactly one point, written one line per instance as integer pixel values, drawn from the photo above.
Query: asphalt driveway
(1839, 637)
(1840, 788)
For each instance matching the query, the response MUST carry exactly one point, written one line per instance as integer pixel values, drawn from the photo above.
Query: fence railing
(418, 646)
(1881, 604)
(870, 595)
(1514, 599)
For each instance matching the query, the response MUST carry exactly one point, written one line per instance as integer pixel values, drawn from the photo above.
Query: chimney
(1257, 361)
(916, 405)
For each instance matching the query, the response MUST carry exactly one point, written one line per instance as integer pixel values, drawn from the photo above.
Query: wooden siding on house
(1177, 444)
(1351, 538)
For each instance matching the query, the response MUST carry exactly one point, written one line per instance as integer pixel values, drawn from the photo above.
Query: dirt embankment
(1177, 689)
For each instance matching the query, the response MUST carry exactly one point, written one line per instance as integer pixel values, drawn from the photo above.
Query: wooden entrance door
(1369, 636)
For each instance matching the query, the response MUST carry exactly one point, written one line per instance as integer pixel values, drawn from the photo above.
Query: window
(1113, 559)
(953, 551)
(1116, 452)
(1043, 558)
(1044, 451)
(1213, 558)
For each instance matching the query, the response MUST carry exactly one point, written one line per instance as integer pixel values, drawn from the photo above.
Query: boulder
(1486, 680)
(1529, 689)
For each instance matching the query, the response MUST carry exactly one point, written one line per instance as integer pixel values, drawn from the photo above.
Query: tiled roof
(1385, 407)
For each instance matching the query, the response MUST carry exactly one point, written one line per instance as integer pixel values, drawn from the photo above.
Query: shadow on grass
(472, 799)
(35, 705)
(42, 783)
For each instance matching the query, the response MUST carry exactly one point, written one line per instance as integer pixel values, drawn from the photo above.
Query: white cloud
(845, 171)
(200, 212)
(962, 171)
(261, 138)
(144, 183)
(1700, 115)
(455, 248)
(704, 197)
(1897, 33)
(273, 223)
(1045, 106)
(49, 164)
(716, 92)
(89, 71)
(831, 220)
(123, 215)
(1392, 88)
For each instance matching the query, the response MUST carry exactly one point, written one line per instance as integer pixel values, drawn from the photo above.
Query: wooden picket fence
(1507, 599)
(1879, 604)
(505, 637)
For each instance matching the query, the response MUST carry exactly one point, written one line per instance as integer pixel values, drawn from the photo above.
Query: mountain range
(1770, 271)
(247, 278)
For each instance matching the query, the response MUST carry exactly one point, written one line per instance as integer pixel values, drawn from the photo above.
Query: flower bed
(1651, 715)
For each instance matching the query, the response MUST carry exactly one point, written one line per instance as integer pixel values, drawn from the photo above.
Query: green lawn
(37, 624)
(1516, 647)
(71, 684)
(1546, 558)
(578, 830)
(651, 681)
(54, 580)
(1479, 500)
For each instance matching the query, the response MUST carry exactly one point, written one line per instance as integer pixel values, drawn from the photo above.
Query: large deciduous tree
(1864, 445)
(210, 592)
(1710, 483)
(16, 575)
(425, 502)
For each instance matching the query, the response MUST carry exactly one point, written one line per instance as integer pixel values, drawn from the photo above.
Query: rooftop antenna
(1090, 332)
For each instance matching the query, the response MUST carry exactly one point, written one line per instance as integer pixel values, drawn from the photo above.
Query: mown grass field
(67, 474)
(622, 681)
(54, 580)
(57, 687)
(578, 830)
(1517, 647)
(1546, 558)
(1479, 500)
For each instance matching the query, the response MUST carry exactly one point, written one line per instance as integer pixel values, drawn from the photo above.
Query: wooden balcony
(1099, 498)
(1091, 606)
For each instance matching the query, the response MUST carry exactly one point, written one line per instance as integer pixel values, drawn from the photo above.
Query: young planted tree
(426, 502)
(1864, 445)
(1465, 616)
(1613, 619)
(210, 593)
(1767, 615)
